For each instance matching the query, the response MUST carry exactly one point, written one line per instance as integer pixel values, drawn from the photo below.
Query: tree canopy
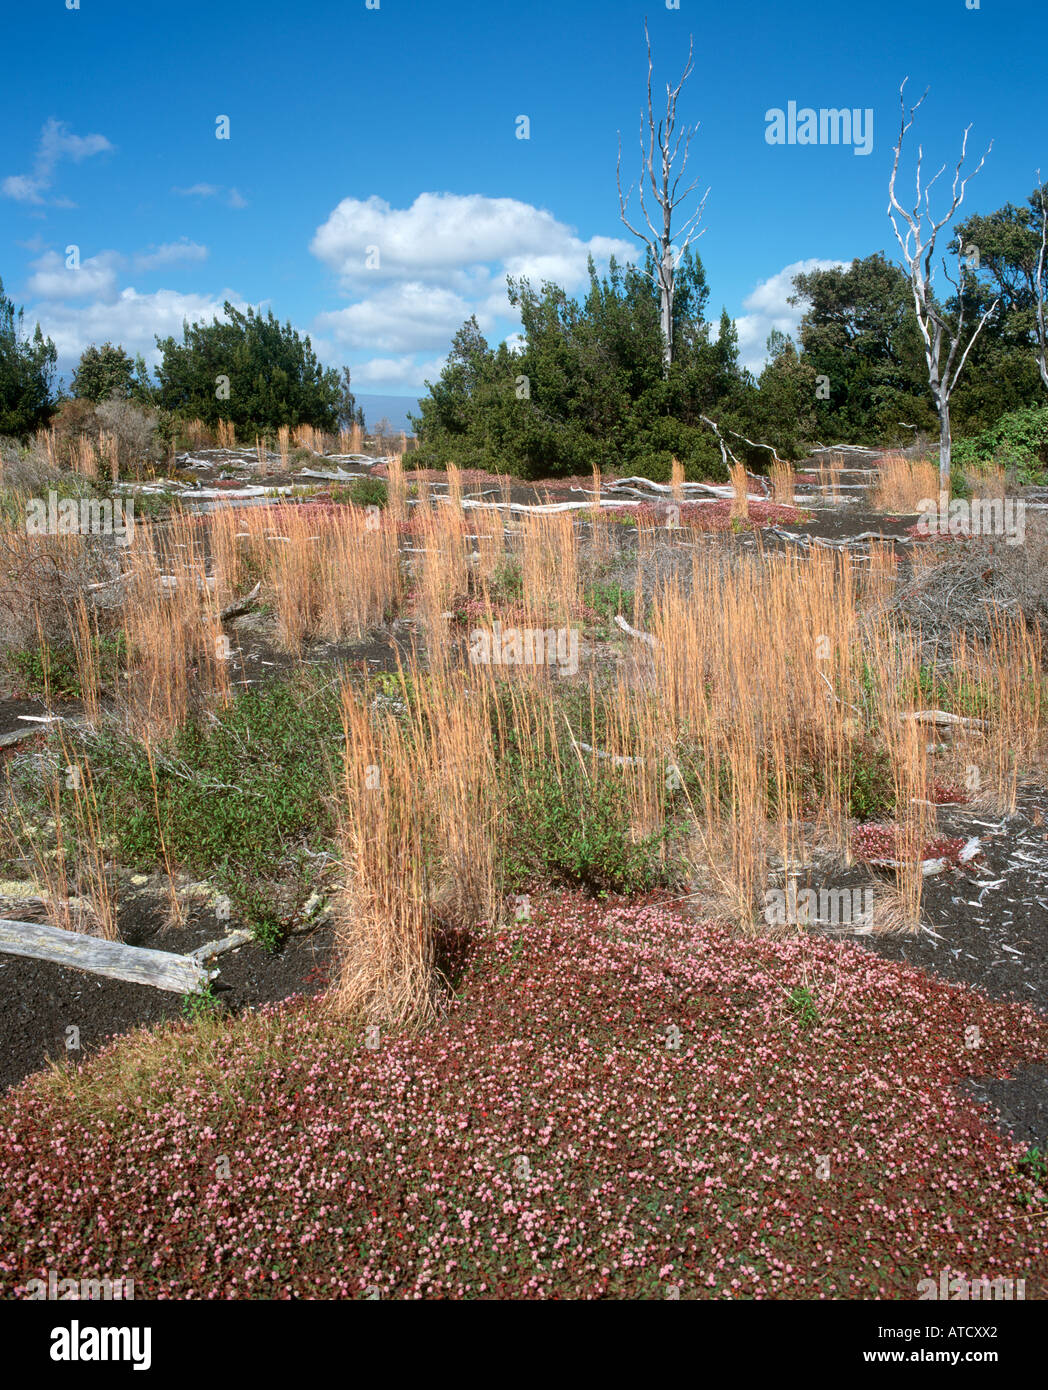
(252, 370)
(108, 372)
(27, 373)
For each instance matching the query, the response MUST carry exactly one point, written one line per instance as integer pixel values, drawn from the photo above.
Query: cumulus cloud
(460, 241)
(408, 317)
(417, 273)
(170, 253)
(232, 197)
(405, 374)
(767, 308)
(95, 277)
(56, 143)
(131, 319)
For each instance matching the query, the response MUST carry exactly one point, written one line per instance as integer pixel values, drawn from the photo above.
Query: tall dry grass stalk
(172, 623)
(85, 456)
(397, 505)
(901, 484)
(227, 435)
(197, 434)
(441, 574)
(748, 663)
(109, 448)
(550, 567)
(490, 541)
(385, 941)
(455, 485)
(783, 482)
(71, 861)
(328, 575)
(284, 445)
(830, 475)
(677, 480)
(740, 502)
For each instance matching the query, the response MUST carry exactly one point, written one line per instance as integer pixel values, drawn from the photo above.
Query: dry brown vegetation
(765, 680)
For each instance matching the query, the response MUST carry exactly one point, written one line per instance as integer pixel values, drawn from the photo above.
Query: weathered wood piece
(136, 964)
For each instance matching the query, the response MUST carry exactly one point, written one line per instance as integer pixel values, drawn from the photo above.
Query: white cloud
(94, 277)
(170, 253)
(131, 319)
(232, 196)
(389, 373)
(452, 238)
(408, 317)
(768, 309)
(56, 143)
(417, 273)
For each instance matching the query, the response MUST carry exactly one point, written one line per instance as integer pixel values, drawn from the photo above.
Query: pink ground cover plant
(619, 1103)
(885, 844)
(710, 516)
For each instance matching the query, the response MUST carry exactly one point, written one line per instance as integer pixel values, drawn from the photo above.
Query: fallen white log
(241, 605)
(136, 964)
(942, 719)
(633, 632)
(338, 476)
(468, 503)
(6, 740)
(217, 948)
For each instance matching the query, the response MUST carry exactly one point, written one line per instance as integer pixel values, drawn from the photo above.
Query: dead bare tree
(660, 168)
(1042, 332)
(918, 248)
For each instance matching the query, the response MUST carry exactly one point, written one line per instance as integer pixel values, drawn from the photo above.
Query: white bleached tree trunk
(918, 248)
(663, 162)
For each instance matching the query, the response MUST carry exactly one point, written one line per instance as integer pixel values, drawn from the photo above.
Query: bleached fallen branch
(621, 622)
(943, 719)
(241, 605)
(210, 949)
(136, 964)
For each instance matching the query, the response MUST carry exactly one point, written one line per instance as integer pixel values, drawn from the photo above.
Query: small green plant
(53, 667)
(507, 582)
(268, 932)
(1034, 1166)
(802, 1002)
(202, 1004)
(362, 492)
(574, 829)
(607, 599)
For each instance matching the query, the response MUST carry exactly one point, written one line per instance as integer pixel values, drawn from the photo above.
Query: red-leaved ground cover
(619, 1101)
(710, 516)
(875, 844)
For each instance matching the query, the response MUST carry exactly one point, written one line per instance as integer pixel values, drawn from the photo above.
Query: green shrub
(572, 827)
(368, 492)
(1019, 441)
(240, 800)
(53, 667)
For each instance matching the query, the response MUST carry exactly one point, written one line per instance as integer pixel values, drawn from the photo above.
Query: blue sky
(355, 127)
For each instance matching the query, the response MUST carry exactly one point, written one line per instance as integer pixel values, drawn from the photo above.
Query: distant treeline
(250, 370)
(587, 387)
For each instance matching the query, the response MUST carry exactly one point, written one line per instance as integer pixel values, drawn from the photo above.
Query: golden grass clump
(783, 482)
(902, 484)
(740, 502)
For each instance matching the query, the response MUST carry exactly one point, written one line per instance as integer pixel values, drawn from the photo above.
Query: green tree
(859, 333)
(103, 373)
(349, 413)
(27, 373)
(250, 369)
